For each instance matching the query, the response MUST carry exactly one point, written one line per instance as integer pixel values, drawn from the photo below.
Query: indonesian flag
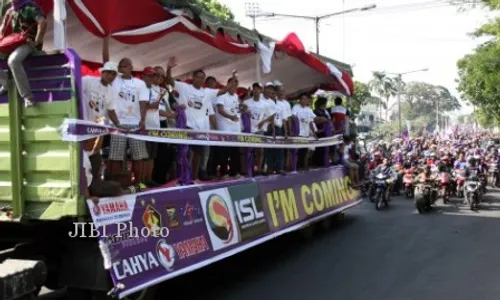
(342, 77)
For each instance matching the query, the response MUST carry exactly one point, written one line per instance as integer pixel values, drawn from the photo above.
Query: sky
(398, 36)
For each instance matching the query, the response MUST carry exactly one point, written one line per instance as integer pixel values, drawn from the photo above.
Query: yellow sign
(297, 203)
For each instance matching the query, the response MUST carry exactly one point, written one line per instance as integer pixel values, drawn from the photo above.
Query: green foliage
(478, 72)
(422, 99)
(385, 87)
(217, 9)
(361, 97)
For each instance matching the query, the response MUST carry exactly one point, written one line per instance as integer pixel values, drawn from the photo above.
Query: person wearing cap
(156, 96)
(164, 166)
(276, 159)
(260, 117)
(99, 104)
(269, 97)
(198, 101)
(131, 101)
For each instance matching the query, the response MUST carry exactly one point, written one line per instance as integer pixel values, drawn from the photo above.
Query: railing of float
(162, 233)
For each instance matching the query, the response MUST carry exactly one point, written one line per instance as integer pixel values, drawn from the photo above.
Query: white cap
(270, 84)
(277, 83)
(109, 66)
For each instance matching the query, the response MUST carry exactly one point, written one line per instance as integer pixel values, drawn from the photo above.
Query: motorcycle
(426, 194)
(382, 190)
(494, 174)
(444, 182)
(460, 181)
(472, 192)
(483, 180)
(408, 183)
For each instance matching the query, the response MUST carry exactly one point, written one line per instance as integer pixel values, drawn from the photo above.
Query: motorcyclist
(384, 168)
(426, 174)
(460, 163)
(377, 160)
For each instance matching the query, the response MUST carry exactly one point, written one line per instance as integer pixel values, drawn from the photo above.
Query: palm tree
(384, 86)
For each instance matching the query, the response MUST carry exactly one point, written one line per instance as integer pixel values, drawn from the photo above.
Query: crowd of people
(153, 101)
(448, 160)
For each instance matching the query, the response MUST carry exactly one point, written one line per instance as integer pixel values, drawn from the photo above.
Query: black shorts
(152, 150)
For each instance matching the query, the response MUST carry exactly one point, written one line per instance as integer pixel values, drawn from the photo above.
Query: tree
(217, 9)
(424, 99)
(362, 96)
(384, 86)
(478, 76)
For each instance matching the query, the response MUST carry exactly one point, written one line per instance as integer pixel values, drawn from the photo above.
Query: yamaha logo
(166, 254)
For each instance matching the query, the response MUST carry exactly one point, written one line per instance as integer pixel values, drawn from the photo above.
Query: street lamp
(400, 79)
(252, 10)
(252, 13)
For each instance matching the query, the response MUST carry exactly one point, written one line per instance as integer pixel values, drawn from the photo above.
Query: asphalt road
(395, 254)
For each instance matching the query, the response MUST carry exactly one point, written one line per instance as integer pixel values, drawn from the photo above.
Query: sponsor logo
(151, 218)
(249, 211)
(112, 210)
(110, 207)
(96, 130)
(126, 236)
(172, 217)
(219, 218)
(191, 247)
(166, 254)
(135, 265)
(191, 214)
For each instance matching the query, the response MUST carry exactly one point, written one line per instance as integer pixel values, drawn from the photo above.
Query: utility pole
(252, 13)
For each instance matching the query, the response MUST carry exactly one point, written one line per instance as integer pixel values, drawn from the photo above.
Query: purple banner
(79, 130)
(300, 197)
(157, 235)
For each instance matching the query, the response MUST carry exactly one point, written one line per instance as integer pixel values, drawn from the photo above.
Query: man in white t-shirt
(99, 104)
(197, 101)
(229, 120)
(307, 128)
(131, 101)
(282, 127)
(208, 168)
(260, 118)
(271, 155)
(157, 95)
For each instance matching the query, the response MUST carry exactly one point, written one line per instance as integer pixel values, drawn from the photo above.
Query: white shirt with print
(258, 111)
(271, 110)
(98, 99)
(128, 94)
(283, 112)
(156, 94)
(305, 116)
(87, 166)
(198, 104)
(231, 104)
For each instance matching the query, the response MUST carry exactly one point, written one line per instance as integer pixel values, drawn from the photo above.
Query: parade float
(179, 228)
